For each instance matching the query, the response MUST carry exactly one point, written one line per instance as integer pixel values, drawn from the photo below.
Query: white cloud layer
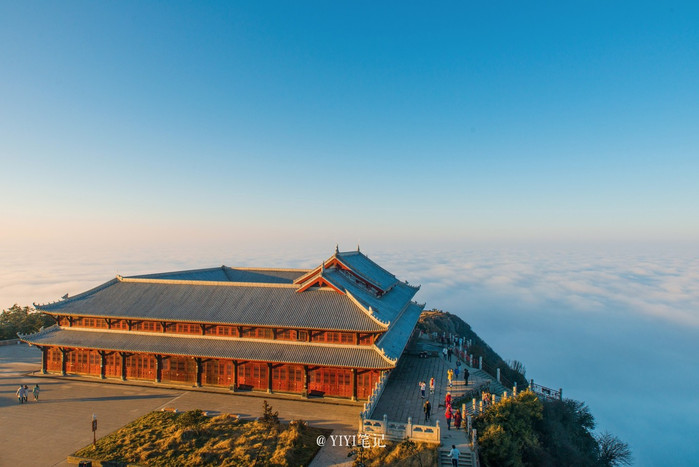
(614, 326)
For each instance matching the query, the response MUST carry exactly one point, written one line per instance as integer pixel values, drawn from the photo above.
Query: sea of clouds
(615, 326)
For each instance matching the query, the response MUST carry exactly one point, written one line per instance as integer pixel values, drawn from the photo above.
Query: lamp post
(94, 429)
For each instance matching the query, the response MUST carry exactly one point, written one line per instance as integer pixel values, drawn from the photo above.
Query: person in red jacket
(447, 415)
(457, 419)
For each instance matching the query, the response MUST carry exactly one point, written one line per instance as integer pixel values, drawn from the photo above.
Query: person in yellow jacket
(450, 376)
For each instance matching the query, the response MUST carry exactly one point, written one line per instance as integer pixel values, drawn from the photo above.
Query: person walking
(26, 393)
(449, 352)
(465, 376)
(427, 408)
(422, 388)
(486, 398)
(444, 352)
(20, 394)
(35, 391)
(432, 385)
(456, 373)
(447, 399)
(447, 415)
(454, 455)
(457, 419)
(450, 375)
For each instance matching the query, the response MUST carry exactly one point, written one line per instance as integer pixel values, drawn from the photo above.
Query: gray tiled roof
(362, 265)
(386, 307)
(262, 297)
(228, 274)
(396, 338)
(212, 347)
(247, 305)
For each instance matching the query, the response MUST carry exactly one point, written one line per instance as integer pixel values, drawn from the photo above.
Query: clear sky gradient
(343, 121)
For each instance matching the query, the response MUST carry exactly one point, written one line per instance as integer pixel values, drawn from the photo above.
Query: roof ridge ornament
(337, 248)
(358, 251)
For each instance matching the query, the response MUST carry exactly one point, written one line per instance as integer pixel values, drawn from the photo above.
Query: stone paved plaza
(44, 433)
(401, 398)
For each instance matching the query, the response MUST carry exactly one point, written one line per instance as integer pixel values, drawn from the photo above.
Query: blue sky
(279, 120)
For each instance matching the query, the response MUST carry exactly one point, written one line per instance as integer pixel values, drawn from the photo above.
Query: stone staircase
(465, 459)
(495, 387)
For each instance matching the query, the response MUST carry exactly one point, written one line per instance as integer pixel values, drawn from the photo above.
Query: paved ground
(401, 397)
(43, 433)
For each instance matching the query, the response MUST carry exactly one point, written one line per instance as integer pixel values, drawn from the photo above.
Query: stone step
(465, 459)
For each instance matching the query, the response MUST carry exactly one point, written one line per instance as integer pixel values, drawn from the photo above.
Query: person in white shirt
(454, 454)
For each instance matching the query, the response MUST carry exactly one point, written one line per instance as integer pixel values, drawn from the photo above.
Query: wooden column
(103, 363)
(158, 368)
(269, 377)
(64, 363)
(356, 338)
(354, 384)
(306, 378)
(124, 356)
(235, 375)
(240, 331)
(198, 361)
(44, 360)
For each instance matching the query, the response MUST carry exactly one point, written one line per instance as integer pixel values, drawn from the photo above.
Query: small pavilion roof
(368, 357)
